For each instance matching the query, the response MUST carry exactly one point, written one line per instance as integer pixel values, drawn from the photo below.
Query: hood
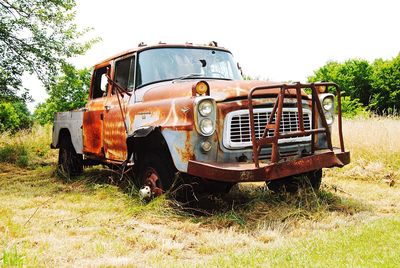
(220, 90)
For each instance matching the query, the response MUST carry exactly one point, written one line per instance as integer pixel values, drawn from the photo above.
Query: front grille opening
(240, 125)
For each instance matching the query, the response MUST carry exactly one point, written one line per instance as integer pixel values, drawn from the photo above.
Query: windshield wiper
(188, 76)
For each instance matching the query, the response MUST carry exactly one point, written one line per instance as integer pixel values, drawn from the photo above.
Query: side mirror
(104, 83)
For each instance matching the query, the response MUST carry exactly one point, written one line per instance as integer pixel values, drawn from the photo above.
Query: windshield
(163, 64)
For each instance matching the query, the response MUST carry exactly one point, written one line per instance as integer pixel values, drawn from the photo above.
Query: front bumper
(247, 172)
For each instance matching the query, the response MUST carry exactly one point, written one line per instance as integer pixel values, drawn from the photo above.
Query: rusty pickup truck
(163, 109)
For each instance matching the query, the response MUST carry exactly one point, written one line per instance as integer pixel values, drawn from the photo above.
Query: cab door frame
(115, 147)
(93, 116)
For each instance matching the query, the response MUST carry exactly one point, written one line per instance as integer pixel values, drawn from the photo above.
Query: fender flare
(142, 132)
(65, 133)
(136, 142)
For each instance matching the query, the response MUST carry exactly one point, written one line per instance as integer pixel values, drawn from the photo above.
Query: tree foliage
(67, 92)
(14, 115)
(352, 75)
(36, 36)
(386, 86)
(376, 86)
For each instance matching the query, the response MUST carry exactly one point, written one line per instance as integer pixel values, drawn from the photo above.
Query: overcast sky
(277, 40)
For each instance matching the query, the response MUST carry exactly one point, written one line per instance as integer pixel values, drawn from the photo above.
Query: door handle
(107, 107)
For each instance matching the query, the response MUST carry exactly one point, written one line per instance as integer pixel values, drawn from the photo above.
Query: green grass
(374, 244)
(11, 258)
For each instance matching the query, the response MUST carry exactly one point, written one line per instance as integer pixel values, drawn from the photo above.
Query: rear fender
(65, 137)
(70, 123)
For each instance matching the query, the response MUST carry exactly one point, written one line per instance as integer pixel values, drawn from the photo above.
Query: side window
(125, 73)
(100, 83)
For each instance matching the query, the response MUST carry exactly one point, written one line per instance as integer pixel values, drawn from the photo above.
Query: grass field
(353, 221)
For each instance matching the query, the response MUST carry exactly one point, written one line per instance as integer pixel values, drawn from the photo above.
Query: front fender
(186, 145)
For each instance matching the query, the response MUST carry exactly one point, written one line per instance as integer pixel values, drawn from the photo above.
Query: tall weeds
(374, 146)
(27, 148)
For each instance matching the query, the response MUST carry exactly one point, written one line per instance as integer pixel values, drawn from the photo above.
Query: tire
(315, 178)
(70, 163)
(156, 171)
(294, 183)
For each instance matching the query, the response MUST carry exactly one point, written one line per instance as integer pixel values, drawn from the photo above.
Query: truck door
(94, 115)
(114, 128)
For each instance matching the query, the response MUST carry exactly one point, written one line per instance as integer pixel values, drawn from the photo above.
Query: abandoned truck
(166, 108)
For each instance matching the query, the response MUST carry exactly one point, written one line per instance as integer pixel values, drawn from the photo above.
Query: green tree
(67, 92)
(354, 76)
(14, 115)
(36, 36)
(386, 86)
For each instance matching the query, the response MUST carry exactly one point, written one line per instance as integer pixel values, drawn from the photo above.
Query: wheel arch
(65, 138)
(147, 139)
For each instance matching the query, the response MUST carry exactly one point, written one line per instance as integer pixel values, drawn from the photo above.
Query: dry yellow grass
(90, 223)
(375, 148)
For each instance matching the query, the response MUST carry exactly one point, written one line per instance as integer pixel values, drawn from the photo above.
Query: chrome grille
(237, 126)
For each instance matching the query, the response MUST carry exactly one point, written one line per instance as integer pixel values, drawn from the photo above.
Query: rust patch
(187, 153)
(93, 128)
(247, 172)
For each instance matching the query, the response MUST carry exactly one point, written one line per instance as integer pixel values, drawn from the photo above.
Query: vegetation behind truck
(167, 108)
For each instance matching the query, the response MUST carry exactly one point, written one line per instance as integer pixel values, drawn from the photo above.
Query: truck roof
(142, 46)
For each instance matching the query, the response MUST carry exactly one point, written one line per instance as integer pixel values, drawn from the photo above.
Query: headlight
(206, 107)
(327, 103)
(329, 118)
(207, 126)
(205, 115)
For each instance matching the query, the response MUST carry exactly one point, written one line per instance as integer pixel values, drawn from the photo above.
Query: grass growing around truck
(353, 221)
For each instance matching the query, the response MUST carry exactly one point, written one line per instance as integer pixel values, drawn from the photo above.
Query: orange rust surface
(247, 172)
(170, 113)
(93, 128)
(114, 130)
(219, 90)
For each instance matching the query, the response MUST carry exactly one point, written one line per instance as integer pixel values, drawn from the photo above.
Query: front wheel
(292, 184)
(156, 174)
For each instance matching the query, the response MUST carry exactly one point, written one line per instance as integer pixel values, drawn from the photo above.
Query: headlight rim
(201, 126)
(329, 118)
(331, 105)
(201, 104)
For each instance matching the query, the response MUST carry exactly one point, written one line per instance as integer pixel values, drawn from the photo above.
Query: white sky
(278, 40)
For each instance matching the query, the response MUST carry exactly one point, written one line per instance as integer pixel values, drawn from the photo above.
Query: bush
(386, 86)
(353, 76)
(14, 155)
(14, 115)
(352, 108)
